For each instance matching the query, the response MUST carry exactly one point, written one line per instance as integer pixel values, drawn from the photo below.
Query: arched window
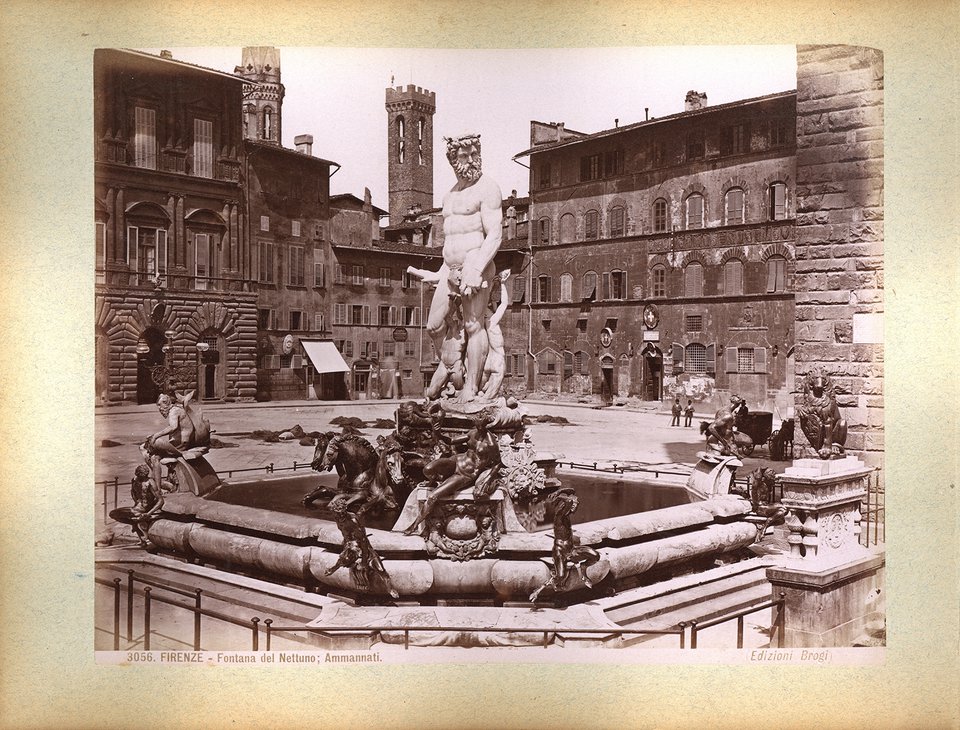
(401, 141)
(420, 127)
(693, 280)
(693, 209)
(733, 277)
(568, 228)
(778, 201)
(591, 225)
(733, 207)
(268, 123)
(544, 228)
(547, 362)
(660, 216)
(566, 287)
(617, 222)
(589, 290)
(776, 274)
(659, 280)
(695, 358)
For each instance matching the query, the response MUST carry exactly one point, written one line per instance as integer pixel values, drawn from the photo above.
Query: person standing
(688, 413)
(677, 410)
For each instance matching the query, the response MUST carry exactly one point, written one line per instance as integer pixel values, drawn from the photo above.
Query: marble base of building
(829, 580)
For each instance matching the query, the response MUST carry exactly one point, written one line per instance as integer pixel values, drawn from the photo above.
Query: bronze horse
(365, 477)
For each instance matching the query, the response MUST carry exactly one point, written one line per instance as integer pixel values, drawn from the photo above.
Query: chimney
(166, 54)
(560, 126)
(695, 100)
(646, 114)
(304, 143)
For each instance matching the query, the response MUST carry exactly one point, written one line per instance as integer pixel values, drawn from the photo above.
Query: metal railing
(149, 597)
(151, 594)
(777, 624)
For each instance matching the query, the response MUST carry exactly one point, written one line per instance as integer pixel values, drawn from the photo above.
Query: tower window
(401, 132)
(420, 128)
(268, 123)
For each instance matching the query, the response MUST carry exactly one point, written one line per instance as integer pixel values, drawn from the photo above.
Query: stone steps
(704, 596)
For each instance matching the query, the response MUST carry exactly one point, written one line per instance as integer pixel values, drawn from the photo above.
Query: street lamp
(169, 376)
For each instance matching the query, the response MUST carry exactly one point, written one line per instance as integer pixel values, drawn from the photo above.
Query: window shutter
(677, 356)
(711, 358)
(760, 359)
(605, 291)
(365, 314)
(161, 251)
(297, 362)
(132, 247)
(273, 362)
(731, 359)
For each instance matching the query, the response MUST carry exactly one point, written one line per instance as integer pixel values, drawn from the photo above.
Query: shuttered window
(617, 227)
(733, 207)
(659, 281)
(566, 287)
(776, 274)
(778, 201)
(745, 359)
(694, 211)
(145, 138)
(568, 228)
(591, 225)
(733, 277)
(589, 291)
(202, 148)
(693, 280)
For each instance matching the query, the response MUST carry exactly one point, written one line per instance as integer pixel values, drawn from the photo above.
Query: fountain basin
(301, 548)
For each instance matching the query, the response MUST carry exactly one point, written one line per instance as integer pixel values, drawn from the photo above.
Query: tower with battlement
(262, 93)
(410, 113)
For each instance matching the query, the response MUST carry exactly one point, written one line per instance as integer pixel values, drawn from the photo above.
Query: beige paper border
(48, 677)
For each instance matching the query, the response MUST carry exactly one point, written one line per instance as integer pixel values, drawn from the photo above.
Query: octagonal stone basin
(258, 526)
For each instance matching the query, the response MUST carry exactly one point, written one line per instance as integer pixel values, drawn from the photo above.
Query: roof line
(161, 59)
(648, 122)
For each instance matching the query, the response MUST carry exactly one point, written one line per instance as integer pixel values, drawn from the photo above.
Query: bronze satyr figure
(357, 554)
(567, 549)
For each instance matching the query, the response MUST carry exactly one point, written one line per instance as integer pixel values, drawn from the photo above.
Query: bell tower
(262, 94)
(410, 113)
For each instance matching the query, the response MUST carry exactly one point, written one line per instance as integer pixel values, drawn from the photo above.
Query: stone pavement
(602, 435)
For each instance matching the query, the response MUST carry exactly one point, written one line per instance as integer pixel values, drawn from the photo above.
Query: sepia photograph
(462, 365)
(411, 349)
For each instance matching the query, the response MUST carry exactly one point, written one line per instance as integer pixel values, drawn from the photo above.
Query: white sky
(337, 95)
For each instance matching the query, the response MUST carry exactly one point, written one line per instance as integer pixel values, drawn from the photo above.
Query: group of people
(678, 410)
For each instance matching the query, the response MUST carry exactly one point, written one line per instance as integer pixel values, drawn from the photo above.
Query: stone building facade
(288, 197)
(839, 277)
(170, 225)
(662, 258)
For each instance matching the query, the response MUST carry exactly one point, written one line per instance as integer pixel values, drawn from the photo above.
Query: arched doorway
(211, 359)
(652, 372)
(607, 380)
(149, 354)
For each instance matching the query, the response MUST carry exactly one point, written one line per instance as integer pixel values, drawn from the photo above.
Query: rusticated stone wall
(839, 234)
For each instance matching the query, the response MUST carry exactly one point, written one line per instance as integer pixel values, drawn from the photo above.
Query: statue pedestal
(828, 576)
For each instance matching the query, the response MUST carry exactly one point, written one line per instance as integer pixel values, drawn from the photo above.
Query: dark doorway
(149, 354)
(607, 385)
(652, 377)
